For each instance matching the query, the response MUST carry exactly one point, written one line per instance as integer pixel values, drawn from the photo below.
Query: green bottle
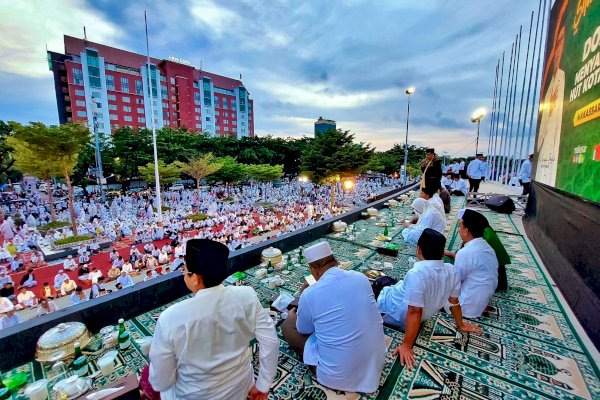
(300, 257)
(289, 262)
(123, 338)
(385, 231)
(80, 361)
(393, 222)
(270, 267)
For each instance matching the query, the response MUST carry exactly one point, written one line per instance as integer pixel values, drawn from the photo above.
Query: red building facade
(110, 88)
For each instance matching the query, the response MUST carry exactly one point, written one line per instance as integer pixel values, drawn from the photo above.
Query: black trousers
(526, 187)
(474, 184)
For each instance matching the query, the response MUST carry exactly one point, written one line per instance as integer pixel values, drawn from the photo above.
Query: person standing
(337, 327)
(476, 172)
(432, 171)
(200, 345)
(525, 175)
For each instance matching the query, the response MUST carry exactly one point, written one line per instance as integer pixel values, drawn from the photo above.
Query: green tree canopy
(334, 155)
(264, 172)
(231, 171)
(167, 173)
(200, 167)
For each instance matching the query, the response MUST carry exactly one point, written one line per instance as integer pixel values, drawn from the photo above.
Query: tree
(60, 146)
(231, 171)
(200, 167)
(167, 173)
(334, 155)
(6, 160)
(264, 173)
(130, 150)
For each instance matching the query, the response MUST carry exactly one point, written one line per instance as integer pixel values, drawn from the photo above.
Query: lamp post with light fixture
(476, 117)
(409, 91)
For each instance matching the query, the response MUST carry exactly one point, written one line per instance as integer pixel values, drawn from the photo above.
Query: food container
(339, 226)
(372, 211)
(271, 254)
(62, 338)
(393, 203)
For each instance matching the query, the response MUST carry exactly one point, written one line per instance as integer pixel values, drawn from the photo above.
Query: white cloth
(476, 266)
(437, 203)
(428, 284)
(125, 281)
(346, 340)
(200, 348)
(477, 169)
(27, 299)
(525, 171)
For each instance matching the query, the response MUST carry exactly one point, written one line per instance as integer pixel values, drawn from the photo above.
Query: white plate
(107, 329)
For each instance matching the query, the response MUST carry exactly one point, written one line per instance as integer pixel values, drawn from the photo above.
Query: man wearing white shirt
(59, 279)
(476, 172)
(200, 348)
(127, 267)
(458, 187)
(70, 264)
(476, 265)
(125, 280)
(68, 286)
(429, 217)
(338, 328)
(94, 275)
(427, 287)
(525, 175)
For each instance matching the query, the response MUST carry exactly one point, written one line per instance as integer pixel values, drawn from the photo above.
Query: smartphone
(310, 279)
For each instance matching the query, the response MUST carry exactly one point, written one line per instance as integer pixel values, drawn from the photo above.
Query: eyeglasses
(188, 273)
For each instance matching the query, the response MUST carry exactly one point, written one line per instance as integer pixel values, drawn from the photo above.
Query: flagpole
(512, 109)
(156, 175)
(492, 120)
(498, 107)
(506, 101)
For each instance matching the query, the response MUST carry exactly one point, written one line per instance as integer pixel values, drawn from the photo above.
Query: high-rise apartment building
(111, 86)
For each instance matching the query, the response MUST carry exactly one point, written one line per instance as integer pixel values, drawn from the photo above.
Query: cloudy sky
(347, 60)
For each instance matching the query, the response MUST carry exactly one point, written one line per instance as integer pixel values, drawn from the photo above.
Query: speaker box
(501, 204)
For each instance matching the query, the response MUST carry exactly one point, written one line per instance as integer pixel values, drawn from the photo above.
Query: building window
(243, 123)
(196, 85)
(167, 122)
(112, 97)
(225, 103)
(226, 129)
(216, 102)
(208, 118)
(140, 110)
(77, 76)
(199, 126)
(163, 78)
(80, 103)
(232, 115)
(197, 102)
(141, 119)
(233, 122)
(110, 67)
(81, 114)
(139, 101)
(126, 108)
(93, 67)
(233, 104)
(110, 82)
(172, 81)
(113, 117)
(163, 92)
(218, 128)
(126, 99)
(198, 110)
(127, 118)
(197, 118)
(225, 121)
(226, 114)
(124, 84)
(112, 107)
(138, 87)
(165, 114)
(79, 92)
(217, 113)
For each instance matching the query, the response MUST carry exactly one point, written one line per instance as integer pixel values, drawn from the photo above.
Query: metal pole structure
(506, 101)
(512, 116)
(529, 84)
(506, 132)
(498, 106)
(477, 140)
(492, 118)
(409, 91)
(537, 73)
(517, 156)
(99, 173)
(156, 175)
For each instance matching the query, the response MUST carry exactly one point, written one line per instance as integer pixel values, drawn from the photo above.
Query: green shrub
(265, 204)
(228, 199)
(165, 208)
(54, 225)
(72, 239)
(197, 217)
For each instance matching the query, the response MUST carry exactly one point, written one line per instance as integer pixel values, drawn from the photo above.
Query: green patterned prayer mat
(529, 348)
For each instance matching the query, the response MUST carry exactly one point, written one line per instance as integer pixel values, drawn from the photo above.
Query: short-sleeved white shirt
(428, 284)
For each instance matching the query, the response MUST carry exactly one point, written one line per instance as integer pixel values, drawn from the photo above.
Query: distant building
(92, 80)
(323, 125)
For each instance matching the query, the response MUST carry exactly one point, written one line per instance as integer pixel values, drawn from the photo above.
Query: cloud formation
(349, 61)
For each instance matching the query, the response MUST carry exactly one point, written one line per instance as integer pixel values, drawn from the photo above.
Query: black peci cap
(208, 259)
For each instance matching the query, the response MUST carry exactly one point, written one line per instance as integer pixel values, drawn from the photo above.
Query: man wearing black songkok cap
(200, 345)
(432, 171)
(476, 265)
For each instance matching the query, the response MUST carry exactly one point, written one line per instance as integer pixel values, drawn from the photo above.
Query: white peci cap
(5, 305)
(317, 252)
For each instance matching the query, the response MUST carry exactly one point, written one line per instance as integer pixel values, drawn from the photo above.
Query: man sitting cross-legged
(427, 287)
(337, 327)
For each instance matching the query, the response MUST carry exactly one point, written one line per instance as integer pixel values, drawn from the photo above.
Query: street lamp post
(476, 117)
(409, 91)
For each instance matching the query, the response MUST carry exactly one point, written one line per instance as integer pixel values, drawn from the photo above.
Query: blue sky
(347, 60)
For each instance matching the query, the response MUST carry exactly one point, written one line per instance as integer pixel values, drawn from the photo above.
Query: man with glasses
(200, 348)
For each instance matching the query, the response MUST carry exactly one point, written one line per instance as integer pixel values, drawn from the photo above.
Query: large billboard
(568, 138)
